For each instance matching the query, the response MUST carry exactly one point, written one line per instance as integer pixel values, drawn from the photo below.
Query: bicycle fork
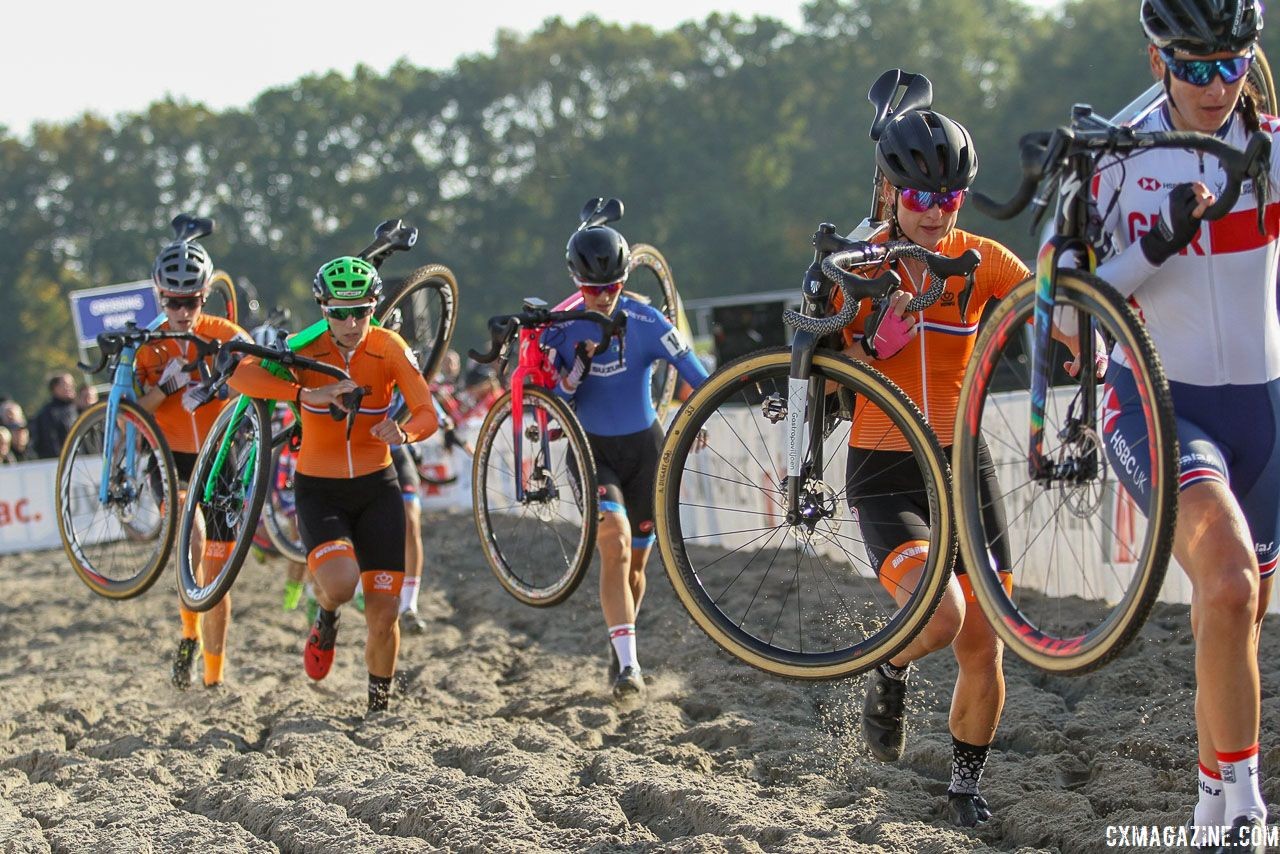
(1075, 430)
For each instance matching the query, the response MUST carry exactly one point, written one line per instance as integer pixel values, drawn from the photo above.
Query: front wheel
(1086, 537)
(805, 591)
(533, 487)
(117, 499)
(228, 486)
(649, 275)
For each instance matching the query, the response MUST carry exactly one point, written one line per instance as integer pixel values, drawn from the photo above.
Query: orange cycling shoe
(317, 656)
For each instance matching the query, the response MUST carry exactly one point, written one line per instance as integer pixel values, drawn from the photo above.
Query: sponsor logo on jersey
(674, 342)
(642, 316)
(906, 553)
(1151, 184)
(413, 359)
(608, 369)
(382, 581)
(948, 298)
(329, 548)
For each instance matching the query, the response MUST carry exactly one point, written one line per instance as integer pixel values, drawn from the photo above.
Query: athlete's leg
(336, 579)
(979, 694)
(1213, 546)
(613, 540)
(380, 613)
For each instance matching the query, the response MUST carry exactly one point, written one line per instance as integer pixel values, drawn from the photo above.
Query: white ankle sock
(1240, 784)
(1211, 807)
(409, 595)
(623, 638)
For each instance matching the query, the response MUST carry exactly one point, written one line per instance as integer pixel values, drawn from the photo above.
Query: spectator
(53, 422)
(14, 420)
(450, 369)
(87, 396)
(6, 442)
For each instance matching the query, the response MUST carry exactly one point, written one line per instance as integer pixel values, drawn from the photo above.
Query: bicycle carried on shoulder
(1067, 512)
(752, 488)
(533, 477)
(117, 493)
(231, 475)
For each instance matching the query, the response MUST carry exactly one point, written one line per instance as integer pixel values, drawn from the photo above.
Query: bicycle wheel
(118, 546)
(279, 513)
(1088, 556)
(800, 598)
(221, 300)
(424, 311)
(657, 285)
(540, 546)
(228, 486)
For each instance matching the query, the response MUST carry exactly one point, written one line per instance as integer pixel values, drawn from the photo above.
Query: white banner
(27, 518)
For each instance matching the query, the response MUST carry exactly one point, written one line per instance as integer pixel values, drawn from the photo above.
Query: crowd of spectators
(42, 437)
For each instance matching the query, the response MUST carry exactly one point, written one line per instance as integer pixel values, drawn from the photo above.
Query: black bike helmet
(924, 150)
(597, 255)
(182, 268)
(1202, 26)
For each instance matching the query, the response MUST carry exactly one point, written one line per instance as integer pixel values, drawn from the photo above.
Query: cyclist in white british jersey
(1207, 293)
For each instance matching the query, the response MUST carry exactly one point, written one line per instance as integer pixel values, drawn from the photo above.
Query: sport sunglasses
(176, 303)
(919, 201)
(346, 312)
(1200, 72)
(599, 290)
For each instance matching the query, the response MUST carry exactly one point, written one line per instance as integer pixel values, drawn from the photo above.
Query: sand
(503, 736)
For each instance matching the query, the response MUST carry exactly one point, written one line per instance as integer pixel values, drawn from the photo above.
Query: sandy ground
(504, 738)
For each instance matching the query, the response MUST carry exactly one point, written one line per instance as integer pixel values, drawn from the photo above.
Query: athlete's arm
(676, 350)
(422, 420)
(1128, 268)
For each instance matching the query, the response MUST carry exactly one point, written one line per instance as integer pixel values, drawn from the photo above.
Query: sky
(111, 57)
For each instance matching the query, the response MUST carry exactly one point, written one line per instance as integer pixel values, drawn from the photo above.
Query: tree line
(729, 140)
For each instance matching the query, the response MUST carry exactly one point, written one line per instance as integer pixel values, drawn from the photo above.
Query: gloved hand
(174, 379)
(889, 328)
(582, 356)
(1175, 226)
(196, 396)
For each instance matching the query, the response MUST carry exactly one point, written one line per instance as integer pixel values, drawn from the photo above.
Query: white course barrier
(27, 518)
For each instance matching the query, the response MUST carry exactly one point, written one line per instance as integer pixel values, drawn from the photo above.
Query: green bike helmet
(347, 277)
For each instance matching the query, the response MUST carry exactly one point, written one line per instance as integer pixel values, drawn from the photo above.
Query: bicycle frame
(534, 366)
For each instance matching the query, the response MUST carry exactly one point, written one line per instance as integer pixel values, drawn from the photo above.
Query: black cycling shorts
(406, 472)
(367, 510)
(625, 470)
(886, 490)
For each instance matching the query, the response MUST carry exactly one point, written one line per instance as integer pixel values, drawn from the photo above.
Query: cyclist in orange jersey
(928, 162)
(181, 275)
(350, 511)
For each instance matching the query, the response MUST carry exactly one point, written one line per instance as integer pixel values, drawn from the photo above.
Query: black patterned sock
(379, 692)
(967, 761)
(899, 673)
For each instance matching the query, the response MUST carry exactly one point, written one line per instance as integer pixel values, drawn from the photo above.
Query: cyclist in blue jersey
(1206, 291)
(610, 391)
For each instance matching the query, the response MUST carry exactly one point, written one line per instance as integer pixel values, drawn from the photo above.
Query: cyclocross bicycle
(1066, 510)
(117, 493)
(752, 491)
(533, 478)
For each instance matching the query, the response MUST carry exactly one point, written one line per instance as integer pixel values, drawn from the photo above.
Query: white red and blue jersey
(1211, 310)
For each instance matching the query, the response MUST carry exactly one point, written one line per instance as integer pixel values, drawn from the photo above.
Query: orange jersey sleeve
(380, 364)
(931, 367)
(184, 431)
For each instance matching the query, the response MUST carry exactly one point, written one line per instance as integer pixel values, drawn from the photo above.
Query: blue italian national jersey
(615, 398)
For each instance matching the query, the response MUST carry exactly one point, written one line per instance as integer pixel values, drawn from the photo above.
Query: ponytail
(1249, 106)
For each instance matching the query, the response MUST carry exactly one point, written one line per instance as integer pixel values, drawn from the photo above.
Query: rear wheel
(221, 300)
(279, 512)
(650, 277)
(228, 486)
(538, 546)
(424, 312)
(118, 546)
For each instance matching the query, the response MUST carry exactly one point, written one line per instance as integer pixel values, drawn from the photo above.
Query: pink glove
(888, 331)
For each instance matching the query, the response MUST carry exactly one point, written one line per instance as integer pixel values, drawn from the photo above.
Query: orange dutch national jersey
(382, 363)
(184, 431)
(929, 369)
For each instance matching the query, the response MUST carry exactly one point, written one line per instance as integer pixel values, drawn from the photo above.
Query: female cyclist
(928, 162)
(1207, 294)
(181, 275)
(350, 511)
(610, 389)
